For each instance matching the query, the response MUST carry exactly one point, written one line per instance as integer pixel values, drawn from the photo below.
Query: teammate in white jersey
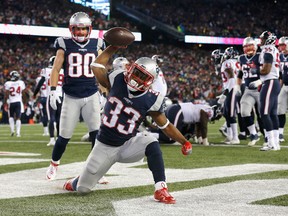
(41, 101)
(185, 116)
(229, 70)
(269, 76)
(53, 115)
(160, 84)
(283, 96)
(13, 92)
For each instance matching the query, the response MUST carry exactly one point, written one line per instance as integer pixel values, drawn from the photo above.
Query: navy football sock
(59, 148)
(155, 161)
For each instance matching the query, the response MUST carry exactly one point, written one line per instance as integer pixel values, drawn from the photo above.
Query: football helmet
(80, 19)
(249, 46)
(229, 53)
(267, 38)
(51, 61)
(283, 44)
(14, 75)
(157, 58)
(217, 113)
(120, 63)
(141, 75)
(216, 56)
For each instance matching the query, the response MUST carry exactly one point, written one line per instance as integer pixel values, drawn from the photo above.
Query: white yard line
(33, 183)
(222, 199)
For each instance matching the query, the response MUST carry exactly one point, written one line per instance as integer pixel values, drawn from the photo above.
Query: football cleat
(254, 138)
(227, 140)
(51, 143)
(18, 135)
(235, 141)
(242, 137)
(12, 134)
(281, 138)
(163, 195)
(268, 148)
(71, 184)
(52, 171)
(223, 131)
(45, 134)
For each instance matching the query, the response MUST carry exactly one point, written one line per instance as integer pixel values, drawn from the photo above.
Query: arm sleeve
(40, 83)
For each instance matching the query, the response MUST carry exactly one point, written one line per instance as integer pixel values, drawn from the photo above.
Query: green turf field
(100, 202)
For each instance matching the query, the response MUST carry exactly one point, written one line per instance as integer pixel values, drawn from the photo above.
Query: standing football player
(283, 96)
(216, 57)
(75, 55)
(229, 71)
(130, 99)
(269, 75)
(13, 92)
(250, 73)
(53, 115)
(41, 101)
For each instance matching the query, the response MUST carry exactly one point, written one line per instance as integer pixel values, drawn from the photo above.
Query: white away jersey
(15, 89)
(191, 112)
(160, 84)
(43, 89)
(46, 72)
(274, 73)
(229, 63)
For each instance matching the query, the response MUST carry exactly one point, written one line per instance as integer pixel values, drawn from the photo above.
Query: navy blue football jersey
(79, 80)
(250, 68)
(123, 112)
(284, 68)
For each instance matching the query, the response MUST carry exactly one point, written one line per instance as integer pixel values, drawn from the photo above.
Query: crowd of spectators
(54, 13)
(187, 68)
(188, 71)
(226, 18)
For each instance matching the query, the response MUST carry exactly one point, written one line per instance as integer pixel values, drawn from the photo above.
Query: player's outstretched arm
(171, 131)
(99, 65)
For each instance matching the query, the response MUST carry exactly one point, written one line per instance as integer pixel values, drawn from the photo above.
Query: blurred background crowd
(187, 67)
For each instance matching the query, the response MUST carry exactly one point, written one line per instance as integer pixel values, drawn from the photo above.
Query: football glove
(221, 99)
(187, 148)
(255, 84)
(54, 98)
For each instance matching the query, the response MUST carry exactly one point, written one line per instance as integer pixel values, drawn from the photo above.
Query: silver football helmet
(51, 61)
(14, 75)
(249, 46)
(283, 44)
(268, 38)
(80, 19)
(229, 53)
(141, 75)
(216, 56)
(120, 63)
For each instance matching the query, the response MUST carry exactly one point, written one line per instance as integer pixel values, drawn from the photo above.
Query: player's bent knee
(83, 190)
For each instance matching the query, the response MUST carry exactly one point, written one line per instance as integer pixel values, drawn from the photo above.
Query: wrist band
(94, 64)
(52, 88)
(165, 125)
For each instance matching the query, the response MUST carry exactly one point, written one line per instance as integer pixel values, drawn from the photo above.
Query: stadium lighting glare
(49, 31)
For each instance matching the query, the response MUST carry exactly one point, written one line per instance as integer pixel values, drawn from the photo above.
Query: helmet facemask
(138, 79)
